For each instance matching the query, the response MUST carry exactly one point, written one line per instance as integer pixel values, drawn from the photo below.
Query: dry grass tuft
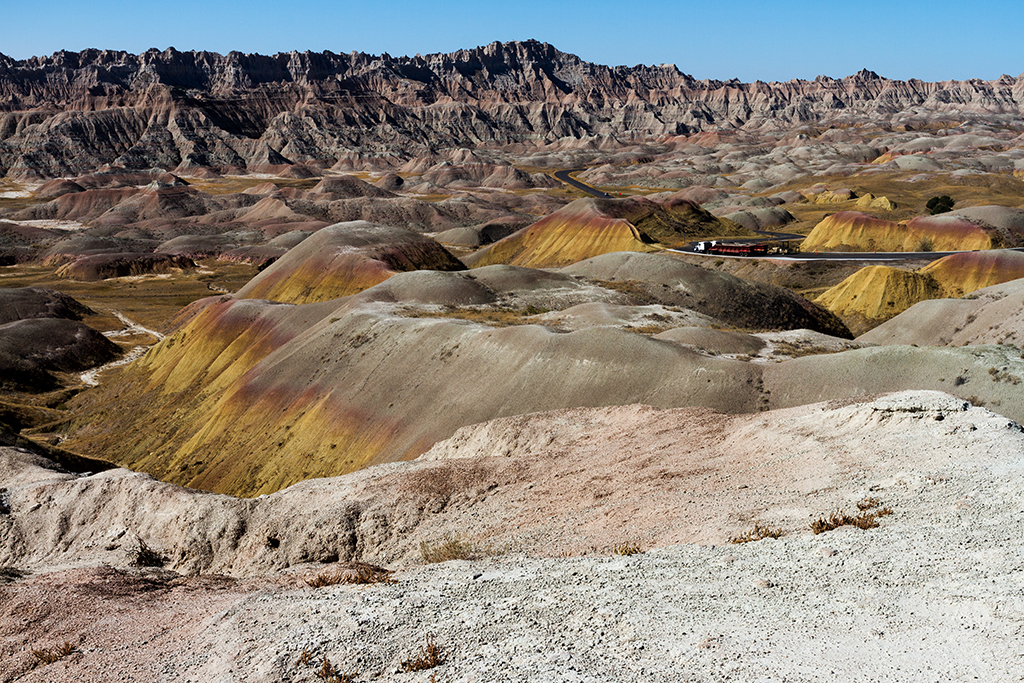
(452, 547)
(800, 349)
(495, 317)
(330, 673)
(648, 329)
(634, 289)
(759, 532)
(627, 549)
(430, 655)
(49, 655)
(867, 519)
(352, 573)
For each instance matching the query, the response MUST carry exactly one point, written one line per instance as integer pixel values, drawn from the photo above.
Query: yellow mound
(563, 238)
(961, 274)
(591, 227)
(874, 294)
(831, 197)
(855, 231)
(219, 407)
(870, 201)
(345, 259)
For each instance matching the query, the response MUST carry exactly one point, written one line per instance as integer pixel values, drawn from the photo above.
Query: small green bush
(940, 204)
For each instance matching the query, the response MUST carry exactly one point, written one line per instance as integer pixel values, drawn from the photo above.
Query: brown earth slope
(660, 278)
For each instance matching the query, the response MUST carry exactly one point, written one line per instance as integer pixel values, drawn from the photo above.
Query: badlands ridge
(269, 325)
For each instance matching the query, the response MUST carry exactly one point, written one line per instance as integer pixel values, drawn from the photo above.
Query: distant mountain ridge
(74, 112)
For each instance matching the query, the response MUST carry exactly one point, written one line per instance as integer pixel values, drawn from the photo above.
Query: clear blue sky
(746, 39)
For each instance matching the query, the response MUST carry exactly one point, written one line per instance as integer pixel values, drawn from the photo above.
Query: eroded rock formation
(71, 112)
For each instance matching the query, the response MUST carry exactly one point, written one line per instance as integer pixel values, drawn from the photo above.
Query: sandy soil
(936, 592)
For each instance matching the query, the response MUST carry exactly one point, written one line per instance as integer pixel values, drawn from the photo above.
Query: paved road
(767, 236)
(841, 255)
(565, 178)
(831, 256)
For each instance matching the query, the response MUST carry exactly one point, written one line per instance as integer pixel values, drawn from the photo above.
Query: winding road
(569, 180)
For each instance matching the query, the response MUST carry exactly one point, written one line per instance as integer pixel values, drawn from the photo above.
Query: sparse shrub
(1003, 376)
(867, 519)
(925, 244)
(452, 547)
(759, 532)
(49, 655)
(430, 655)
(627, 549)
(144, 556)
(800, 349)
(352, 573)
(305, 659)
(868, 503)
(648, 329)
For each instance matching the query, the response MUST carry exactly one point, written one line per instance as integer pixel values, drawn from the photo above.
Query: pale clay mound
(993, 315)
(942, 574)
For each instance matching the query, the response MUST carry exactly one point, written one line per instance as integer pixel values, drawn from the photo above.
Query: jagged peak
(866, 75)
(514, 53)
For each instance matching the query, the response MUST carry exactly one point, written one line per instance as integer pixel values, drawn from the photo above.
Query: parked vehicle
(734, 248)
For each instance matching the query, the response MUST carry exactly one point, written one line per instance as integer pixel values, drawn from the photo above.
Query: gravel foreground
(935, 593)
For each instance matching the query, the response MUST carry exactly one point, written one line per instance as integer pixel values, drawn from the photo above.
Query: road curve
(569, 180)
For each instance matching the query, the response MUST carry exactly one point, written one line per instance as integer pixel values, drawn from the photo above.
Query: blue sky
(744, 39)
